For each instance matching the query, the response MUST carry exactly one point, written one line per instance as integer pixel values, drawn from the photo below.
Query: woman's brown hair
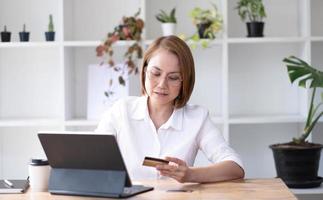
(179, 48)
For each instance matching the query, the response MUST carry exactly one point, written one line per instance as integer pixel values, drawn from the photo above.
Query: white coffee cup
(39, 171)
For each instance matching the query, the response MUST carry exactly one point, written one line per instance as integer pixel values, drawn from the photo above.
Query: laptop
(87, 164)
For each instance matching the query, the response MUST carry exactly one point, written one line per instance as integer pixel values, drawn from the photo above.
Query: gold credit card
(153, 162)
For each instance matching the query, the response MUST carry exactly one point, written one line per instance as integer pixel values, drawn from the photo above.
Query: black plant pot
(201, 29)
(5, 36)
(24, 36)
(255, 29)
(50, 36)
(298, 167)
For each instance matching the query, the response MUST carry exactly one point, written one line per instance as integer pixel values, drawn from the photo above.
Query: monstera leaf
(299, 70)
(303, 72)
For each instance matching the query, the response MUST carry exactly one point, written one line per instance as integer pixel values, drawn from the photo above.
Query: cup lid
(38, 162)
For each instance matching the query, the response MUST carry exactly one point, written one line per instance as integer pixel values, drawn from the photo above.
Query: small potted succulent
(252, 11)
(207, 21)
(297, 162)
(168, 22)
(5, 35)
(50, 34)
(24, 35)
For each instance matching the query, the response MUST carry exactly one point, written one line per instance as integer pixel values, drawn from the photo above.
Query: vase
(168, 29)
(201, 30)
(50, 36)
(24, 36)
(255, 29)
(5, 36)
(298, 166)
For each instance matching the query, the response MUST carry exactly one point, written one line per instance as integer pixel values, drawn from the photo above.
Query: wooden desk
(239, 189)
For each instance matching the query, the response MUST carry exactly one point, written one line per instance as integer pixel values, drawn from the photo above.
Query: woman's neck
(159, 114)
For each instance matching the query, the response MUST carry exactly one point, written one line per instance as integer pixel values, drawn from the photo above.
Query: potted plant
(5, 35)
(168, 21)
(297, 162)
(24, 35)
(50, 34)
(252, 11)
(129, 29)
(207, 21)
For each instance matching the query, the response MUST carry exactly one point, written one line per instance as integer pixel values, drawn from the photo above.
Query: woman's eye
(173, 78)
(155, 73)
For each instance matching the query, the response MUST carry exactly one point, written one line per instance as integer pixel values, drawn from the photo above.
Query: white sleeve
(109, 122)
(213, 144)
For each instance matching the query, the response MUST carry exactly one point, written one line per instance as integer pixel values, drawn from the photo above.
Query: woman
(162, 124)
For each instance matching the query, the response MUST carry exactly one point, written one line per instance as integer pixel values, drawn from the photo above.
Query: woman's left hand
(178, 171)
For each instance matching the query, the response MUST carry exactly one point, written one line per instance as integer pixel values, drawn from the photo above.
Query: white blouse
(186, 131)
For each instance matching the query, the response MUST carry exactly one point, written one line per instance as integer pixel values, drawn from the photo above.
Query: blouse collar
(139, 111)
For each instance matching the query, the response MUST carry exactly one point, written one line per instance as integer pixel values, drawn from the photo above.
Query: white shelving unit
(242, 81)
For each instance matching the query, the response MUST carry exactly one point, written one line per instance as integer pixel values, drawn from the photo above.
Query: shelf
(46, 122)
(209, 43)
(263, 119)
(191, 42)
(95, 43)
(266, 40)
(148, 42)
(127, 43)
(217, 119)
(318, 190)
(81, 122)
(81, 43)
(29, 122)
(85, 122)
(317, 39)
(28, 44)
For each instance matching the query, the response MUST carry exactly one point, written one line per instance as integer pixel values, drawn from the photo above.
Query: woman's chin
(161, 99)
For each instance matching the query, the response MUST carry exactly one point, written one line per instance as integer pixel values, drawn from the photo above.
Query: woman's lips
(161, 93)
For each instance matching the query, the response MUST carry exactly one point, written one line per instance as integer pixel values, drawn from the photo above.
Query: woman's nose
(162, 81)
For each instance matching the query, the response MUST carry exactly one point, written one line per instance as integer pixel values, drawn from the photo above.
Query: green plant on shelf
(208, 21)
(307, 77)
(251, 10)
(51, 24)
(130, 29)
(24, 28)
(163, 17)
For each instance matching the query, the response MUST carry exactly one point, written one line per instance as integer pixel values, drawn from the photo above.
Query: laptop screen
(83, 151)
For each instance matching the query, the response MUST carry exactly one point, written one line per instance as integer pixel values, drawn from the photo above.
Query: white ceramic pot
(169, 29)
